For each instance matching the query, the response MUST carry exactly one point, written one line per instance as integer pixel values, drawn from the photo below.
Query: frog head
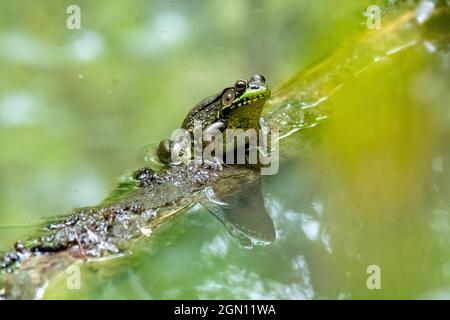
(243, 103)
(237, 107)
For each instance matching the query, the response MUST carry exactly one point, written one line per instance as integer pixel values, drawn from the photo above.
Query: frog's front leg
(168, 149)
(217, 127)
(211, 135)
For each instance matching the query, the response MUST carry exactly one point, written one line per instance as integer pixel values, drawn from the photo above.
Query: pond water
(366, 189)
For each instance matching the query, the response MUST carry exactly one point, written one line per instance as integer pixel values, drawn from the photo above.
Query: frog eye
(228, 97)
(240, 85)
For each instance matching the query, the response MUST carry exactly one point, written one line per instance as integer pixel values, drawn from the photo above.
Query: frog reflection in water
(241, 210)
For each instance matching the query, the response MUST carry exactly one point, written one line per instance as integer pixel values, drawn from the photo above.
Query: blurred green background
(76, 106)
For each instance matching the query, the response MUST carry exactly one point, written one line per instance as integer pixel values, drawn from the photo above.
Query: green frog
(236, 107)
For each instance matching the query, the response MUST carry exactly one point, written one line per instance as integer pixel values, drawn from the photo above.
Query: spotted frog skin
(234, 107)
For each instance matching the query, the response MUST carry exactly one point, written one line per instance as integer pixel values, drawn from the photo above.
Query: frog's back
(205, 111)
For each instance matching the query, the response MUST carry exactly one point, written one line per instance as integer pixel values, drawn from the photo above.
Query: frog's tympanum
(237, 107)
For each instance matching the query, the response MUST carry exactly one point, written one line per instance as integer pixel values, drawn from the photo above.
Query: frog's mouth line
(249, 100)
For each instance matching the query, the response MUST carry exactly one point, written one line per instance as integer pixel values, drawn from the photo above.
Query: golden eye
(240, 85)
(228, 97)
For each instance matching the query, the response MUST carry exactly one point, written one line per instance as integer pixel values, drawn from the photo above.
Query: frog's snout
(257, 81)
(258, 78)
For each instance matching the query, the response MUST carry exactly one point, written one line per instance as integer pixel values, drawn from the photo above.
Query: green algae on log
(109, 230)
